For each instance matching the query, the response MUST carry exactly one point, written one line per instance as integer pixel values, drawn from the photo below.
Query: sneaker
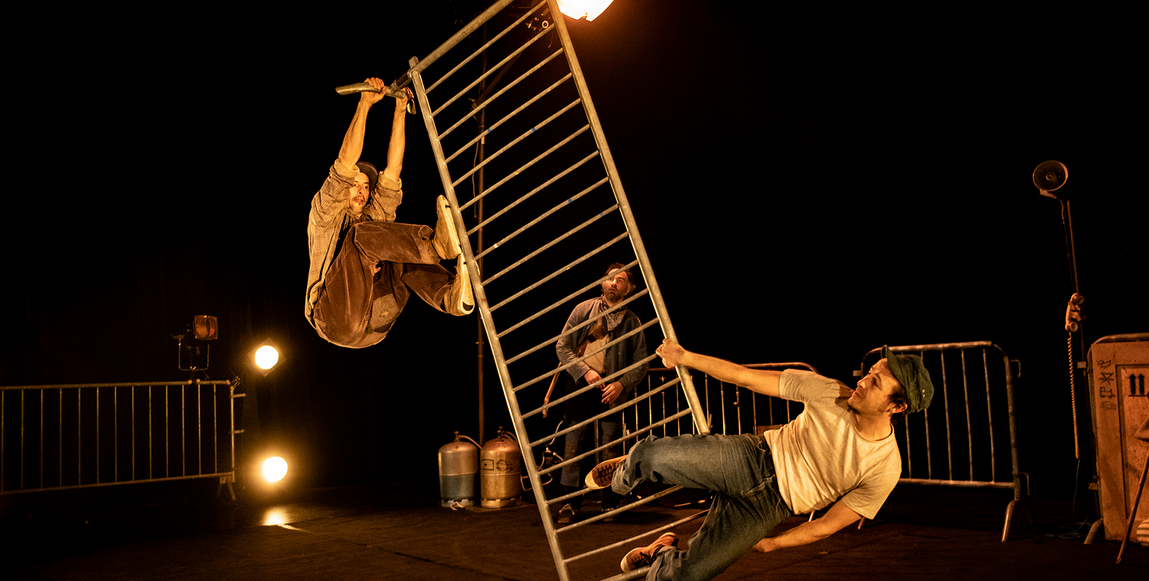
(644, 556)
(601, 475)
(460, 300)
(446, 239)
(566, 514)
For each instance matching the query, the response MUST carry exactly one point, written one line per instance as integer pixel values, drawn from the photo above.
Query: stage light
(264, 356)
(578, 8)
(274, 469)
(194, 346)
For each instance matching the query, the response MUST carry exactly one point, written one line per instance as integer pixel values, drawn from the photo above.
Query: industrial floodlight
(194, 349)
(205, 328)
(579, 8)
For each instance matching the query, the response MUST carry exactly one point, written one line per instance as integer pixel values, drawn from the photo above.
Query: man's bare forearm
(352, 147)
(837, 518)
(398, 144)
(762, 381)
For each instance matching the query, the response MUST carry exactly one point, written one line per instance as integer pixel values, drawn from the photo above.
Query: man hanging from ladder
(839, 452)
(364, 266)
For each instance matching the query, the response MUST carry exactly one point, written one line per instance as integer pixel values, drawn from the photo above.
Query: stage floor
(181, 531)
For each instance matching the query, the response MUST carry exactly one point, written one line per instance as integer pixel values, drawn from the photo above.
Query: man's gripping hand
(671, 352)
(401, 99)
(370, 98)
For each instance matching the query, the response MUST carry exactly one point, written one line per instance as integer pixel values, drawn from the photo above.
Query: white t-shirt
(820, 456)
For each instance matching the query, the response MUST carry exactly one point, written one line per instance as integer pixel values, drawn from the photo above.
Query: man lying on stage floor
(364, 266)
(841, 447)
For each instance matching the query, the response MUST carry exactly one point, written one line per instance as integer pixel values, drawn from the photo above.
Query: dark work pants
(406, 262)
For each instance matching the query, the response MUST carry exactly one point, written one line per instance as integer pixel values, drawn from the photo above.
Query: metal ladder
(539, 181)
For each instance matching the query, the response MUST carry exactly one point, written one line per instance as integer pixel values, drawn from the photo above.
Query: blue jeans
(581, 439)
(746, 506)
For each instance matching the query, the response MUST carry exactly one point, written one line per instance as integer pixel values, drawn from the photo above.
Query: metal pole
(480, 331)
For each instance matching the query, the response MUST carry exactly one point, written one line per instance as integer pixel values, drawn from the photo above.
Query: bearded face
(616, 288)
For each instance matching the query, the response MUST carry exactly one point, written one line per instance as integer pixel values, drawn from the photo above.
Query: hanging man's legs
(377, 267)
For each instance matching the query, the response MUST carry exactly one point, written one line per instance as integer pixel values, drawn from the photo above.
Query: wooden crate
(1118, 370)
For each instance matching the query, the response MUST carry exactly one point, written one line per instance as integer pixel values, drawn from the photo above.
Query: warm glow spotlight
(266, 357)
(578, 8)
(274, 469)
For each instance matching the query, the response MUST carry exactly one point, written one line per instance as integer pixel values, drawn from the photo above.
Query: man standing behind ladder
(839, 452)
(608, 325)
(363, 264)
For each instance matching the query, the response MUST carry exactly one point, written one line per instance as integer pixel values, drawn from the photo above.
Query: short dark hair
(372, 174)
(898, 398)
(622, 267)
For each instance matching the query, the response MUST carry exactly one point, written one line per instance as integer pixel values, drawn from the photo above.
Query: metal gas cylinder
(458, 465)
(500, 471)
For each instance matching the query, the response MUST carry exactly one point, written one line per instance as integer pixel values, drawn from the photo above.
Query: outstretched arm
(764, 381)
(398, 137)
(837, 518)
(352, 146)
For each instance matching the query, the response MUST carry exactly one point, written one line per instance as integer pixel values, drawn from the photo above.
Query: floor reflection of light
(274, 517)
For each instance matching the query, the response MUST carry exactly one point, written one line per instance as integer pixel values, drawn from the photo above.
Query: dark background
(808, 186)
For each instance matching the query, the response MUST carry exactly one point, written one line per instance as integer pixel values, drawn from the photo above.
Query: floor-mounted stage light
(274, 469)
(266, 467)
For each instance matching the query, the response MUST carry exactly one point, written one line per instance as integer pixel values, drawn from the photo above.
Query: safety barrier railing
(56, 437)
(968, 435)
